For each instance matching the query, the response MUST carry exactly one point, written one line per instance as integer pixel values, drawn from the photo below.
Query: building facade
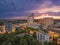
(42, 37)
(30, 18)
(8, 26)
(47, 21)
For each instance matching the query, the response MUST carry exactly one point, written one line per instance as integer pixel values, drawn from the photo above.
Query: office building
(30, 18)
(47, 21)
(8, 26)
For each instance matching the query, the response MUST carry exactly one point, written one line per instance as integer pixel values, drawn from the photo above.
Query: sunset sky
(21, 8)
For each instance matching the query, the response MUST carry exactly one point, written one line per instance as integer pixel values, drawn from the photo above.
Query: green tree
(34, 34)
(46, 43)
(23, 42)
(9, 44)
(38, 43)
(1, 23)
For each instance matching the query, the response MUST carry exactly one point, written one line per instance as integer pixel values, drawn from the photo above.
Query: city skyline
(17, 9)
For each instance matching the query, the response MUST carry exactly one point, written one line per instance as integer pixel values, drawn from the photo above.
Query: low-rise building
(34, 25)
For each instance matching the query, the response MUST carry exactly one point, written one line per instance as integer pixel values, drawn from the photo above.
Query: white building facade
(42, 37)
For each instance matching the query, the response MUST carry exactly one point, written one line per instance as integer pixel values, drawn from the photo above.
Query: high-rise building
(30, 18)
(47, 21)
(8, 26)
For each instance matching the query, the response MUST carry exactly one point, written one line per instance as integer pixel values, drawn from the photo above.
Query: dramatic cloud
(48, 7)
(45, 10)
(18, 8)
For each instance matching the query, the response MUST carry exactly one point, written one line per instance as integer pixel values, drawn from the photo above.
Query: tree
(4, 43)
(13, 39)
(1, 23)
(55, 41)
(3, 38)
(38, 43)
(9, 44)
(34, 34)
(23, 42)
(46, 43)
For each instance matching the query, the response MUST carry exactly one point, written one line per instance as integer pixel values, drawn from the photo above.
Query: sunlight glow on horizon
(36, 17)
(43, 16)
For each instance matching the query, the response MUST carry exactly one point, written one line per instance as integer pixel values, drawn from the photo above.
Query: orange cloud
(51, 9)
(54, 17)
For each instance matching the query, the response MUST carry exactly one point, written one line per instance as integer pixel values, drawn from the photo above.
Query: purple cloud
(11, 8)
